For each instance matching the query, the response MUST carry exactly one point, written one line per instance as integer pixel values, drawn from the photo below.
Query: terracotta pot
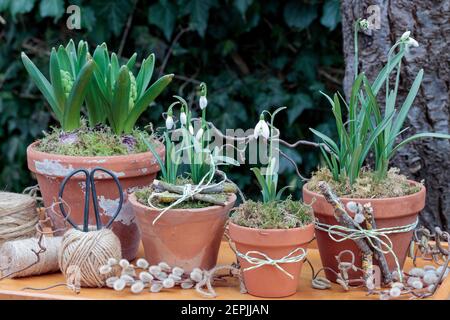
(187, 238)
(134, 170)
(268, 281)
(388, 212)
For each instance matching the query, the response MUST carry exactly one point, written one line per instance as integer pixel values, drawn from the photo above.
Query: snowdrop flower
(203, 102)
(405, 36)
(183, 118)
(412, 42)
(262, 128)
(364, 24)
(191, 129)
(199, 134)
(169, 122)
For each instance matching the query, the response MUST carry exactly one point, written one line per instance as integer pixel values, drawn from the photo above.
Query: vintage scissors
(90, 188)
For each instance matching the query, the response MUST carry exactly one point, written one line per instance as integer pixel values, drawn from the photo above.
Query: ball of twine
(83, 253)
(18, 216)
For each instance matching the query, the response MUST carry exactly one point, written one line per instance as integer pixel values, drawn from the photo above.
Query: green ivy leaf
(21, 6)
(115, 12)
(331, 15)
(163, 15)
(88, 19)
(199, 15)
(299, 15)
(4, 5)
(242, 6)
(51, 8)
(300, 102)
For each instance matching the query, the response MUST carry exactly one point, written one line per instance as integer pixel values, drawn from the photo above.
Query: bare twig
(127, 29)
(169, 51)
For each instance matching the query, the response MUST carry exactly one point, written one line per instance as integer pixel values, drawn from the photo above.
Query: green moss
(273, 215)
(366, 186)
(144, 193)
(96, 141)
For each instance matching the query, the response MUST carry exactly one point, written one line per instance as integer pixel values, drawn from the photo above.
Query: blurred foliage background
(252, 54)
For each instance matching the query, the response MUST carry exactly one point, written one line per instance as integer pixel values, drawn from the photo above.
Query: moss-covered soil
(366, 186)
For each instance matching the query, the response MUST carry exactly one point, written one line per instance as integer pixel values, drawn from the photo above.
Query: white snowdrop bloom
(105, 269)
(359, 218)
(262, 129)
(119, 285)
(364, 24)
(169, 122)
(145, 276)
(137, 287)
(203, 102)
(142, 263)
(124, 263)
(395, 292)
(183, 118)
(191, 129)
(405, 36)
(412, 42)
(199, 134)
(168, 283)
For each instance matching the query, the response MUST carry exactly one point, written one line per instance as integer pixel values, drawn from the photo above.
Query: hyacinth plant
(367, 128)
(118, 94)
(71, 70)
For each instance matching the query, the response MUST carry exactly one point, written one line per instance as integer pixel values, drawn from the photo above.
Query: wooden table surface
(13, 288)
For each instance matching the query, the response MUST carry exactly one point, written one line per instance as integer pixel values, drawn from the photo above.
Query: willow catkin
(17, 258)
(18, 216)
(83, 253)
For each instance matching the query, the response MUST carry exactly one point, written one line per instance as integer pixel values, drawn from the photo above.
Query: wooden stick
(379, 256)
(169, 197)
(222, 188)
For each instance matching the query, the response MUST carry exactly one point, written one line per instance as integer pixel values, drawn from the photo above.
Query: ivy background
(253, 55)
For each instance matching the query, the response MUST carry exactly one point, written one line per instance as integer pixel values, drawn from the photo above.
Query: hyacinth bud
(203, 102)
(142, 263)
(137, 287)
(119, 285)
(67, 82)
(133, 90)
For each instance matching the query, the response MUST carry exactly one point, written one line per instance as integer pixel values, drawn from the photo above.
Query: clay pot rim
(259, 230)
(231, 199)
(31, 149)
(372, 200)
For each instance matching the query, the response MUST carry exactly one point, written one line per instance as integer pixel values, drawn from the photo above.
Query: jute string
(83, 253)
(251, 257)
(386, 245)
(18, 216)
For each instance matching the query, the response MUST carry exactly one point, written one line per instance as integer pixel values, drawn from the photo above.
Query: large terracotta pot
(388, 212)
(134, 170)
(186, 238)
(268, 281)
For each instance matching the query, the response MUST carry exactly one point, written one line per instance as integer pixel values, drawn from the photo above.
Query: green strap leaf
(418, 136)
(121, 99)
(145, 75)
(55, 77)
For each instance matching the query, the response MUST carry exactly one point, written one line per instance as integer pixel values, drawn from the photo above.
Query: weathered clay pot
(134, 170)
(388, 212)
(268, 281)
(187, 238)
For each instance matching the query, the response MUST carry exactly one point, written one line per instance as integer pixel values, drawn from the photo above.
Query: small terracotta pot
(134, 170)
(388, 212)
(268, 281)
(186, 238)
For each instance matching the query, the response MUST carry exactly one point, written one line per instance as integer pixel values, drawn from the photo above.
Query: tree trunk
(428, 21)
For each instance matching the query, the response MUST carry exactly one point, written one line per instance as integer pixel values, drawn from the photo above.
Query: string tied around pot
(251, 257)
(371, 235)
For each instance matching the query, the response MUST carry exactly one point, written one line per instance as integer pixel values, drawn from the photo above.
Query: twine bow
(373, 234)
(266, 260)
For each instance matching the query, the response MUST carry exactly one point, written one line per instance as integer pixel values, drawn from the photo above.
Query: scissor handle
(94, 196)
(86, 199)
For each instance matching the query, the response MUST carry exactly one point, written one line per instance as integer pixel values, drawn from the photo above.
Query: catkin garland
(18, 216)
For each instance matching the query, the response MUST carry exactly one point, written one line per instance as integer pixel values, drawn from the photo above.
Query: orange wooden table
(13, 288)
